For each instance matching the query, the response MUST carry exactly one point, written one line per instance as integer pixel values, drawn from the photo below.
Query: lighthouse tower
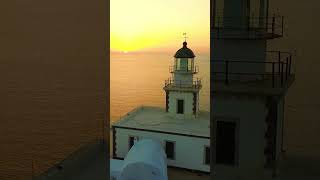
(248, 87)
(182, 89)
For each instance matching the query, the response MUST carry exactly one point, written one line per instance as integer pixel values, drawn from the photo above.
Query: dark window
(180, 108)
(170, 150)
(132, 140)
(207, 155)
(225, 137)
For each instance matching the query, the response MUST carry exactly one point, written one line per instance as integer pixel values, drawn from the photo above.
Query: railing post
(248, 25)
(279, 61)
(282, 26)
(273, 74)
(273, 24)
(287, 62)
(227, 73)
(267, 23)
(290, 64)
(218, 28)
(282, 73)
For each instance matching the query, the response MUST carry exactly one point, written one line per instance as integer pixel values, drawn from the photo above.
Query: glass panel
(184, 64)
(177, 63)
(190, 64)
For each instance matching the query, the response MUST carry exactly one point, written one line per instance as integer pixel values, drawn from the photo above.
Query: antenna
(185, 37)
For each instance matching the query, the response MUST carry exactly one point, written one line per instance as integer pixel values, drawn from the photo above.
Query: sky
(158, 25)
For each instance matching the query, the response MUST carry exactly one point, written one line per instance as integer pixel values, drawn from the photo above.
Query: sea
(47, 135)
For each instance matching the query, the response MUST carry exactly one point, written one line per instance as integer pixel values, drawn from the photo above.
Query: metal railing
(183, 84)
(247, 27)
(277, 71)
(194, 69)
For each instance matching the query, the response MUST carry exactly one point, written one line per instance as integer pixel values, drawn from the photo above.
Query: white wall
(184, 78)
(251, 114)
(188, 103)
(189, 150)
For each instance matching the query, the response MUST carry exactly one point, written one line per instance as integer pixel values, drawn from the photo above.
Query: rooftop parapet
(274, 75)
(247, 27)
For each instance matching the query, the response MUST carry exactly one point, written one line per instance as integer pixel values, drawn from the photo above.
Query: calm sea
(46, 134)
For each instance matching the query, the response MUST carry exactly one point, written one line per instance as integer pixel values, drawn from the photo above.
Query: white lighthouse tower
(248, 88)
(182, 90)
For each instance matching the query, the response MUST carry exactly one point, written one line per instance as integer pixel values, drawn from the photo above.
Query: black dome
(184, 52)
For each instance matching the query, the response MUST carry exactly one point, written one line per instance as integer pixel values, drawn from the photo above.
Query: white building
(249, 84)
(181, 127)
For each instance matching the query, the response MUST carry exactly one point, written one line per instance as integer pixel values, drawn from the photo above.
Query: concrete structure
(91, 161)
(249, 84)
(181, 127)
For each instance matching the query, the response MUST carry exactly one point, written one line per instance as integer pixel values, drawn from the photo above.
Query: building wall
(251, 113)
(189, 151)
(188, 103)
(244, 50)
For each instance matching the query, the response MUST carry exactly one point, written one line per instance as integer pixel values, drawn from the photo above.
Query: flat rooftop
(157, 119)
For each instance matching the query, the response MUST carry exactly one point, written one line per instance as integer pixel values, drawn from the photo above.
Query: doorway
(180, 106)
(226, 143)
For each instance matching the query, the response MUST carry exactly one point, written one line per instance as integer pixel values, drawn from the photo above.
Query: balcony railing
(183, 84)
(194, 69)
(274, 73)
(247, 27)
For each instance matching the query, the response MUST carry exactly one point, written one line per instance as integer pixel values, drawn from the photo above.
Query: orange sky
(158, 25)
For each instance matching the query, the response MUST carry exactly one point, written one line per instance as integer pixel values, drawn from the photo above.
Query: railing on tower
(247, 27)
(183, 84)
(194, 69)
(273, 73)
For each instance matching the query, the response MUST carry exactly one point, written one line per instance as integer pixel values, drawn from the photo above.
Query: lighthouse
(249, 83)
(182, 90)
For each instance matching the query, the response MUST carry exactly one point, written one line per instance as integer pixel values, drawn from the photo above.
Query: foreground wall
(249, 114)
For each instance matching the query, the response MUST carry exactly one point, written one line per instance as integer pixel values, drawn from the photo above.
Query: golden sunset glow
(138, 25)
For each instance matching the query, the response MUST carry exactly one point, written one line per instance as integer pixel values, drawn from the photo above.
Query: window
(207, 155)
(132, 141)
(226, 144)
(170, 147)
(180, 106)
